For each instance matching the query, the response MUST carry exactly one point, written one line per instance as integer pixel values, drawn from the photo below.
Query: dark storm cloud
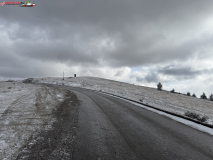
(55, 53)
(146, 75)
(186, 72)
(120, 32)
(150, 77)
(183, 73)
(111, 14)
(119, 73)
(24, 70)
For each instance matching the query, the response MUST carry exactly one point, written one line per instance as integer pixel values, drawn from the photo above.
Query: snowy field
(176, 103)
(27, 108)
(24, 109)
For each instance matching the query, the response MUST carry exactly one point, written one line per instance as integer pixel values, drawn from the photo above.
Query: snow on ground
(24, 109)
(181, 120)
(27, 108)
(176, 103)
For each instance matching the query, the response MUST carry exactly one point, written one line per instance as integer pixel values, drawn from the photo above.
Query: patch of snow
(24, 109)
(58, 95)
(181, 120)
(172, 102)
(178, 119)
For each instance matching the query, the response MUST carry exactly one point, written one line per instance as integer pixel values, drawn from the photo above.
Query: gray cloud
(139, 79)
(118, 73)
(150, 78)
(186, 71)
(136, 27)
(85, 37)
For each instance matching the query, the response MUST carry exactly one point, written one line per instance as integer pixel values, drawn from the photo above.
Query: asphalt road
(96, 126)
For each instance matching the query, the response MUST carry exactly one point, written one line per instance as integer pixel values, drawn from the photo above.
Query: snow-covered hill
(25, 108)
(177, 103)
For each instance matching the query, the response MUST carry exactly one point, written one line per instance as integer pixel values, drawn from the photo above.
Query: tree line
(203, 96)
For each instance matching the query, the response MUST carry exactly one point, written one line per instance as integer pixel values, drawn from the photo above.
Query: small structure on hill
(159, 86)
(74, 75)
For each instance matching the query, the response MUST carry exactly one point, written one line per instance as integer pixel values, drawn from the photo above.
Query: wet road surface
(91, 125)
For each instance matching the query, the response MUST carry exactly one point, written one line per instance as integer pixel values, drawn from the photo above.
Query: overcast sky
(136, 41)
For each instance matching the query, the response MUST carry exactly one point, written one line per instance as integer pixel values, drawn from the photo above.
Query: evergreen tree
(211, 97)
(173, 90)
(193, 95)
(188, 94)
(203, 96)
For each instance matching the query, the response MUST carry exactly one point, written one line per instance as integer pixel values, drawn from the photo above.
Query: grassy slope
(176, 103)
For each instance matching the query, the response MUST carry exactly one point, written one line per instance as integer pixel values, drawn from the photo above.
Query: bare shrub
(10, 80)
(192, 115)
(196, 116)
(203, 119)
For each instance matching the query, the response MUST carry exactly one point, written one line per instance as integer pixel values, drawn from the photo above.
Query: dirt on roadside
(58, 141)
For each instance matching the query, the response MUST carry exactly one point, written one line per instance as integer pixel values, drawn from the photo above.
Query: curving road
(99, 126)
